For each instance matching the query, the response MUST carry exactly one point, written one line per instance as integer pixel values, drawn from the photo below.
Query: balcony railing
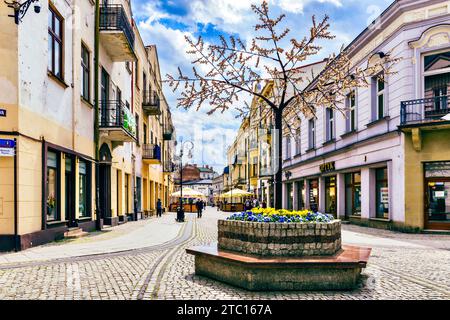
(151, 103)
(424, 110)
(113, 19)
(151, 152)
(115, 115)
(168, 167)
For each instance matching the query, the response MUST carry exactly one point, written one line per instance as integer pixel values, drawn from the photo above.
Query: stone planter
(280, 239)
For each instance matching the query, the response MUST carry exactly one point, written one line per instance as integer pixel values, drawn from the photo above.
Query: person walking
(199, 206)
(159, 208)
(264, 204)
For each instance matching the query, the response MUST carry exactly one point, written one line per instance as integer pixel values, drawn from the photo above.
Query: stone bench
(334, 272)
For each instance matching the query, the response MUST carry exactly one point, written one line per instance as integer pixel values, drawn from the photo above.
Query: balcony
(151, 154)
(168, 167)
(151, 104)
(426, 112)
(117, 122)
(116, 33)
(167, 134)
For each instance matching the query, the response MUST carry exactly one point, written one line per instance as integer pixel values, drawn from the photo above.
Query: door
(437, 204)
(104, 97)
(105, 190)
(70, 192)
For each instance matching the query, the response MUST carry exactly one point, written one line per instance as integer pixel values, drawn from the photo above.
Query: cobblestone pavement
(403, 266)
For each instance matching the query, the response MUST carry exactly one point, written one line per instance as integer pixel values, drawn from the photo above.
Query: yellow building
(47, 129)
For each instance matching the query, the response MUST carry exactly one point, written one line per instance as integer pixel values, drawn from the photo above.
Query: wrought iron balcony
(168, 167)
(117, 121)
(151, 103)
(167, 134)
(116, 32)
(151, 153)
(424, 111)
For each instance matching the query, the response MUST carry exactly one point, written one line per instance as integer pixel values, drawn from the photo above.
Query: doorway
(105, 183)
(69, 191)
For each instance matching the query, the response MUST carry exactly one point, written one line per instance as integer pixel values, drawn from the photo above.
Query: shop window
(290, 196)
(437, 205)
(382, 193)
(314, 193)
(301, 195)
(353, 194)
(330, 195)
(52, 186)
(84, 188)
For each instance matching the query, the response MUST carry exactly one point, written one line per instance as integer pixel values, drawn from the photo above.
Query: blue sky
(166, 22)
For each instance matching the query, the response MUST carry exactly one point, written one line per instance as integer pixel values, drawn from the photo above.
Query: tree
(224, 71)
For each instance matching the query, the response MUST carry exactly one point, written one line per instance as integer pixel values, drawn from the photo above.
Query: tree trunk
(278, 177)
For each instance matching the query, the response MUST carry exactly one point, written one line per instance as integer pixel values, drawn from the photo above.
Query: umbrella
(236, 193)
(188, 193)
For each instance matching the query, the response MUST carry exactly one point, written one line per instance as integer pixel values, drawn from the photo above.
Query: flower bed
(270, 232)
(281, 216)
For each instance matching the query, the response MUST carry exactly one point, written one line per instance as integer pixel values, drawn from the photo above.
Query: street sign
(7, 152)
(7, 143)
(7, 148)
(2, 113)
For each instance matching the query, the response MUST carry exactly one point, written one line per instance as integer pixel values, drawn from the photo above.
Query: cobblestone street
(402, 266)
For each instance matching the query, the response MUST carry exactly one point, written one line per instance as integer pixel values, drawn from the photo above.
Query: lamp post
(190, 146)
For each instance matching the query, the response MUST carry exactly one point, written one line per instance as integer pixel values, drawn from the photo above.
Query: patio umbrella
(188, 193)
(236, 193)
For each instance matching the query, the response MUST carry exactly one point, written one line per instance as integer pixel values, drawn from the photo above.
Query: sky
(166, 22)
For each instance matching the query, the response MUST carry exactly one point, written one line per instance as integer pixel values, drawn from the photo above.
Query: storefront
(301, 194)
(382, 193)
(313, 193)
(437, 189)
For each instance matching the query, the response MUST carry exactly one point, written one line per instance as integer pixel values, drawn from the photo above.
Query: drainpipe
(73, 78)
(16, 216)
(96, 116)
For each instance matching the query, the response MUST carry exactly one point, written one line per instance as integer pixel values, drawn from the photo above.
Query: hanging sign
(2, 113)
(327, 167)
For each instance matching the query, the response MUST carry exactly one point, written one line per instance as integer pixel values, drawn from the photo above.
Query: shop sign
(440, 194)
(327, 167)
(384, 195)
(2, 113)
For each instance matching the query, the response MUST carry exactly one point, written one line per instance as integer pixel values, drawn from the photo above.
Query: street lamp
(190, 147)
(20, 9)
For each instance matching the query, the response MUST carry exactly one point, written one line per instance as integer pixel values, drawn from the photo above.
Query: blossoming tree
(225, 71)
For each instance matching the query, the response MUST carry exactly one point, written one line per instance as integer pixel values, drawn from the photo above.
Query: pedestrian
(199, 206)
(158, 208)
(264, 204)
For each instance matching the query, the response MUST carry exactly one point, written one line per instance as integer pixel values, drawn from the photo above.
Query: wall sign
(2, 113)
(327, 167)
(7, 148)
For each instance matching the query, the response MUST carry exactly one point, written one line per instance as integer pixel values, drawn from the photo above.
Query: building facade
(48, 89)
(385, 162)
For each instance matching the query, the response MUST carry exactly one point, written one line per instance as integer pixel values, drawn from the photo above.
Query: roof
(203, 169)
(204, 181)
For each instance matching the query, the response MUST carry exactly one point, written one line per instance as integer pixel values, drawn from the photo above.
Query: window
(382, 193)
(351, 113)
(83, 196)
(314, 194)
(352, 194)
(127, 192)
(301, 195)
(330, 195)
(289, 196)
(52, 185)
(288, 147)
(437, 82)
(380, 98)
(297, 141)
(312, 134)
(85, 73)
(136, 73)
(145, 133)
(55, 43)
(330, 124)
(137, 129)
